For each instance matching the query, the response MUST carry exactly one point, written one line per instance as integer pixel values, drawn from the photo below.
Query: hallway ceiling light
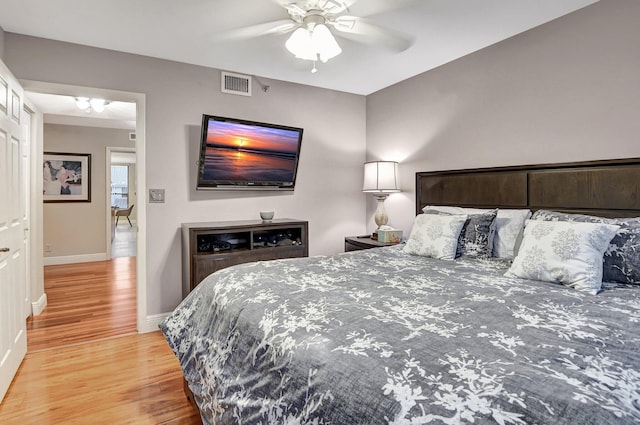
(89, 105)
(98, 104)
(83, 102)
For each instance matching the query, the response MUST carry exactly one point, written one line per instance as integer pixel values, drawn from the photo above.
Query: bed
(382, 336)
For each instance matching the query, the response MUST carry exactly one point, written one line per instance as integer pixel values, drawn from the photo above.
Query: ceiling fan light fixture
(311, 44)
(324, 43)
(299, 44)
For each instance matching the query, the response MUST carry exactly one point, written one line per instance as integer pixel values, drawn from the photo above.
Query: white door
(13, 333)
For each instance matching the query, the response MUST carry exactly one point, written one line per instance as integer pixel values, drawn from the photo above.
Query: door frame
(37, 295)
(28, 138)
(143, 324)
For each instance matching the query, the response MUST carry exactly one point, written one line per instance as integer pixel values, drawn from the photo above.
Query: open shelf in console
(208, 243)
(269, 238)
(211, 246)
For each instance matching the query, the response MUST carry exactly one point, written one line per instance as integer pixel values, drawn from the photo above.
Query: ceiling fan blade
(363, 31)
(281, 26)
(335, 6)
(329, 6)
(283, 3)
(374, 7)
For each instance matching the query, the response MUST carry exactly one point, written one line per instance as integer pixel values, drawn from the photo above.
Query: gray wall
(78, 228)
(330, 173)
(566, 91)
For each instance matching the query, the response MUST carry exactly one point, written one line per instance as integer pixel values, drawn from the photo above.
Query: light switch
(156, 195)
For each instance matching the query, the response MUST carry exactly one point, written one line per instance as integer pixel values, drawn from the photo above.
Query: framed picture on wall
(66, 177)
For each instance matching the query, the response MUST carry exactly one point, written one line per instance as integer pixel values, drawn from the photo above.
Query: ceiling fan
(311, 21)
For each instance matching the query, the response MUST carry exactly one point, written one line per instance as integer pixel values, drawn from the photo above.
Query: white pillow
(455, 210)
(509, 223)
(435, 235)
(563, 252)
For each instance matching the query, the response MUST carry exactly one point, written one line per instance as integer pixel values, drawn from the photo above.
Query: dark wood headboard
(609, 188)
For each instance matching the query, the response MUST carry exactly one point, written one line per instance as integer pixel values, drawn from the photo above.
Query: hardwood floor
(133, 379)
(86, 301)
(85, 362)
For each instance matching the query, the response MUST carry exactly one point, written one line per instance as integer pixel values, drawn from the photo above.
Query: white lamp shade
(324, 43)
(299, 43)
(381, 177)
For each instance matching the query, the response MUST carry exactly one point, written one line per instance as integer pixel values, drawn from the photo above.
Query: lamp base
(381, 218)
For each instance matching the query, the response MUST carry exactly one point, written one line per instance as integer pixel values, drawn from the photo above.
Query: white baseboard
(37, 307)
(152, 322)
(71, 259)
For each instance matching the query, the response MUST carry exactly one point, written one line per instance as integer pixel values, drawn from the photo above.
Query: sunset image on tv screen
(238, 152)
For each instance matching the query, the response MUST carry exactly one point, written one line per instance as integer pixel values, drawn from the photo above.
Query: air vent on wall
(236, 84)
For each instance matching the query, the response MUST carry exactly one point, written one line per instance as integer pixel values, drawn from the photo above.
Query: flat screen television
(241, 154)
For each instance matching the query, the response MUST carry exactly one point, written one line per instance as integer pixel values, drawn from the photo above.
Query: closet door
(13, 258)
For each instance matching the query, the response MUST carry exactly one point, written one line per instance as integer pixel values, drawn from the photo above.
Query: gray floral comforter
(383, 337)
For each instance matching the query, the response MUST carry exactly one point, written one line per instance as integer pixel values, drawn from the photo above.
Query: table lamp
(380, 179)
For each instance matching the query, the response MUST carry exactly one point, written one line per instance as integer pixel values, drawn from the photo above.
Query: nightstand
(355, 243)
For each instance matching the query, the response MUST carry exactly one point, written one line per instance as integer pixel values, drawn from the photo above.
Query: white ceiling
(192, 31)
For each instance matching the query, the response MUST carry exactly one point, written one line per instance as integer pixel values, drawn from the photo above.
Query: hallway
(124, 240)
(86, 302)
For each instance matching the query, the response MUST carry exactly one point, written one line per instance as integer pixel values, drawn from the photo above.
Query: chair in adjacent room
(124, 213)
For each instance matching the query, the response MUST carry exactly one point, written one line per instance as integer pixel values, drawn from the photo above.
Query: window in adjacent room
(120, 186)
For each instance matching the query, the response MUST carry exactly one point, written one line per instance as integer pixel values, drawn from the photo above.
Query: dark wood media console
(208, 247)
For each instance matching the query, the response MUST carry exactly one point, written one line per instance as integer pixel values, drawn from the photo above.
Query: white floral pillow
(435, 235)
(563, 252)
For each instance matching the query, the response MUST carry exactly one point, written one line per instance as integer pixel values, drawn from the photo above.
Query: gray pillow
(621, 261)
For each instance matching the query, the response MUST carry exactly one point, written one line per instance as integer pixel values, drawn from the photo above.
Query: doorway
(139, 128)
(77, 268)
